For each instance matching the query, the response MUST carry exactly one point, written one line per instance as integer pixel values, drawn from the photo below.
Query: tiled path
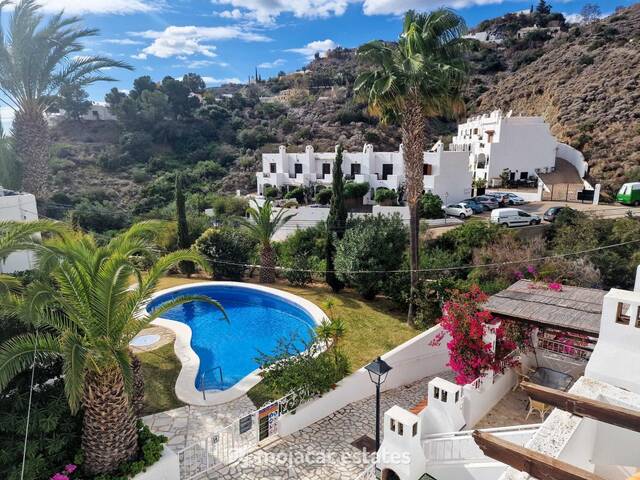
(332, 457)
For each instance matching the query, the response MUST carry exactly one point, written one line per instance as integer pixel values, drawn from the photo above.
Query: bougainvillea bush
(467, 323)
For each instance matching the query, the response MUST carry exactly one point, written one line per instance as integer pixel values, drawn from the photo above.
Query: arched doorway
(388, 474)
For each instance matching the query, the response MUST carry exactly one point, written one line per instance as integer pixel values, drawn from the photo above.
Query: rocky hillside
(587, 86)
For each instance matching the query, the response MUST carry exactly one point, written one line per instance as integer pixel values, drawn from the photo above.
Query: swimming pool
(258, 318)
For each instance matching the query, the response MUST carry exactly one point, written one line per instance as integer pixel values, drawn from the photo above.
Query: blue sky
(224, 40)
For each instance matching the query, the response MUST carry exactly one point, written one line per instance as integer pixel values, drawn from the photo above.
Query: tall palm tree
(420, 76)
(86, 313)
(37, 57)
(262, 226)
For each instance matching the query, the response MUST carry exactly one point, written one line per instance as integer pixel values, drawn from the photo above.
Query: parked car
(459, 210)
(487, 202)
(513, 217)
(501, 198)
(473, 205)
(551, 213)
(513, 199)
(629, 194)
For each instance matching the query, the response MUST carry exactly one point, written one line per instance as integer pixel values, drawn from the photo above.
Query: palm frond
(18, 353)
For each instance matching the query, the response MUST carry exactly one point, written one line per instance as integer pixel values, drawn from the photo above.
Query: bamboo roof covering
(573, 308)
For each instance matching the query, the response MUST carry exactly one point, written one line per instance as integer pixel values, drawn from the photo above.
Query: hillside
(587, 86)
(584, 82)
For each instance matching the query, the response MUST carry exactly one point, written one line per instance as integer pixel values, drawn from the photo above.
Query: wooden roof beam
(585, 407)
(536, 464)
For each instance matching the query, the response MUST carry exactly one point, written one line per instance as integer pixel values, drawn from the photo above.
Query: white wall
(479, 402)
(411, 361)
(18, 208)
(574, 157)
(167, 468)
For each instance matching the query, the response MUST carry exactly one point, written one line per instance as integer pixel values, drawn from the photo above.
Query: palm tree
(37, 57)
(419, 76)
(86, 312)
(262, 226)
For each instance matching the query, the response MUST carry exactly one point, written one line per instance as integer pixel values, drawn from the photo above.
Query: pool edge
(185, 384)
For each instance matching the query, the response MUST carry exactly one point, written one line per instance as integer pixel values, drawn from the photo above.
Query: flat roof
(573, 308)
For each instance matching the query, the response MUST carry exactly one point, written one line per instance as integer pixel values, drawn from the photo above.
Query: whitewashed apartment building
(446, 173)
(524, 145)
(20, 207)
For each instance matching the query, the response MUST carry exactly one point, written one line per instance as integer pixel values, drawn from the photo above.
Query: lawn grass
(160, 369)
(372, 328)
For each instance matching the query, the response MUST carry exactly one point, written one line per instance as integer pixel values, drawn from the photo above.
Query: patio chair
(523, 376)
(539, 407)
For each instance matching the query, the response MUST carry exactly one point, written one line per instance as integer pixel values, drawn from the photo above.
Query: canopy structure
(575, 309)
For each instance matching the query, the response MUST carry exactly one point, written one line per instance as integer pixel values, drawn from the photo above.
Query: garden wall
(479, 402)
(411, 361)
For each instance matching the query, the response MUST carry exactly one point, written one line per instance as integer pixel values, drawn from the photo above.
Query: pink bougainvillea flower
(59, 476)
(70, 468)
(555, 286)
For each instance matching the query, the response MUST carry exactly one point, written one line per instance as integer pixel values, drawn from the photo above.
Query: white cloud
(100, 7)
(276, 63)
(123, 41)
(265, 11)
(319, 46)
(398, 7)
(220, 81)
(192, 40)
(6, 115)
(196, 64)
(140, 56)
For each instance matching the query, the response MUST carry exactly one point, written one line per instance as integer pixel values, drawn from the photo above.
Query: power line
(439, 269)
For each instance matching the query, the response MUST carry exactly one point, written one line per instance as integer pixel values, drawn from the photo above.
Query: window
(387, 169)
(355, 169)
(400, 429)
(523, 214)
(457, 397)
(524, 175)
(392, 425)
(427, 169)
(436, 392)
(444, 396)
(414, 430)
(638, 318)
(326, 169)
(622, 314)
(297, 168)
(272, 167)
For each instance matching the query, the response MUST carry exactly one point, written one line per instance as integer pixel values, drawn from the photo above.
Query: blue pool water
(257, 320)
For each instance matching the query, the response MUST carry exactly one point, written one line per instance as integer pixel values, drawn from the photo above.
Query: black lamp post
(378, 370)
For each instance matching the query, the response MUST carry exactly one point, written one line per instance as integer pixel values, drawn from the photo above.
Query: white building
(523, 145)
(435, 439)
(97, 111)
(486, 37)
(446, 173)
(16, 206)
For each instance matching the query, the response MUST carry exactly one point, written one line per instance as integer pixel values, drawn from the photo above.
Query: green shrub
(271, 192)
(297, 193)
(430, 206)
(384, 195)
(373, 243)
(355, 189)
(226, 244)
(225, 206)
(297, 270)
(585, 60)
(323, 197)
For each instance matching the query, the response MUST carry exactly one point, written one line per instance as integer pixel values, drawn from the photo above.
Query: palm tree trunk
(137, 396)
(413, 139)
(109, 434)
(31, 137)
(268, 264)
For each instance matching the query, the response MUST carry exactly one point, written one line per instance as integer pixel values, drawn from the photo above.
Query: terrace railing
(564, 349)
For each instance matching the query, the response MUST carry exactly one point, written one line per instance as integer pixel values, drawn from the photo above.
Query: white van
(513, 217)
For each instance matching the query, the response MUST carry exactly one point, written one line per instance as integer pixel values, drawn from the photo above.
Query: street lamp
(378, 370)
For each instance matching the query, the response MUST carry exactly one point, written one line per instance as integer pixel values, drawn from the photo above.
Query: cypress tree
(336, 222)
(188, 268)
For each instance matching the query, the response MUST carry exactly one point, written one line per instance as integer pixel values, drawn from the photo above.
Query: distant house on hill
(286, 96)
(445, 173)
(486, 37)
(98, 111)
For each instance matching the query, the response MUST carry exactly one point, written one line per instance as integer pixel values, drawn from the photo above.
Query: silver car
(487, 202)
(459, 210)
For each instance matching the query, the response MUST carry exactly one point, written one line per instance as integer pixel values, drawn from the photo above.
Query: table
(547, 377)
